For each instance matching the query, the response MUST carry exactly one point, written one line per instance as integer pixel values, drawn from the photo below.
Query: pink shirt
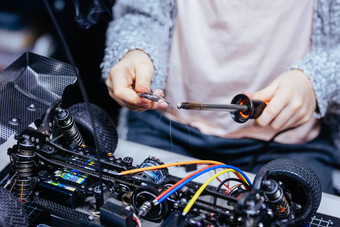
(223, 48)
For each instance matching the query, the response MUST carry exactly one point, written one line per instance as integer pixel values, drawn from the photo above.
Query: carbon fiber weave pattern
(12, 213)
(27, 87)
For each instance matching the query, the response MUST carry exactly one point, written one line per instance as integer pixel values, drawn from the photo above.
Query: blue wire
(199, 174)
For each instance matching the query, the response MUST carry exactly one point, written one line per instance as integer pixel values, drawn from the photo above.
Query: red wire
(221, 181)
(179, 182)
(227, 191)
(138, 223)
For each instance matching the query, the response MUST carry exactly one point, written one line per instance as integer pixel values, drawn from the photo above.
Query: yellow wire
(169, 165)
(126, 172)
(22, 189)
(201, 189)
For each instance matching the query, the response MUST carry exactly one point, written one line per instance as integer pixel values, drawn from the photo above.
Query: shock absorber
(68, 127)
(23, 161)
(277, 199)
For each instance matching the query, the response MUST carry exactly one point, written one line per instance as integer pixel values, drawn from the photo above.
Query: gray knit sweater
(147, 25)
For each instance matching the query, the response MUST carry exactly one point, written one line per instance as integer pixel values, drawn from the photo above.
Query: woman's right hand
(130, 76)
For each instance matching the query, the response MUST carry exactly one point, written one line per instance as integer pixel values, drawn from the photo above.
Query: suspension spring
(277, 199)
(69, 128)
(24, 167)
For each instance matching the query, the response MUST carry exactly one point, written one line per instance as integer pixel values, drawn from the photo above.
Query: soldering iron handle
(258, 108)
(254, 110)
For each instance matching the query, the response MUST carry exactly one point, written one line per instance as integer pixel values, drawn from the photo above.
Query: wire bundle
(213, 165)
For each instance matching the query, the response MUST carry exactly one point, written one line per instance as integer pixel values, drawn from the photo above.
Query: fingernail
(163, 105)
(159, 92)
(142, 89)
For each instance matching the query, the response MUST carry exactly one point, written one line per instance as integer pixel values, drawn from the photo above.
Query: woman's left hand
(291, 101)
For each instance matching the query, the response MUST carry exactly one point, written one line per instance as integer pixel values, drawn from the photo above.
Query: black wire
(264, 148)
(225, 181)
(107, 8)
(97, 9)
(232, 179)
(82, 91)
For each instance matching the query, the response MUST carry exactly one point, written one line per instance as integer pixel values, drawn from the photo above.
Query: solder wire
(201, 189)
(193, 176)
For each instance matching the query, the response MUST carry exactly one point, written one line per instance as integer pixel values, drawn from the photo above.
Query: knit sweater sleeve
(322, 64)
(143, 25)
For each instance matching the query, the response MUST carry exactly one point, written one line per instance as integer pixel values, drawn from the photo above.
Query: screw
(14, 121)
(90, 217)
(258, 196)
(31, 107)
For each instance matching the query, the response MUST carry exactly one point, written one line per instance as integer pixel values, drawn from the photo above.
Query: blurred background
(27, 26)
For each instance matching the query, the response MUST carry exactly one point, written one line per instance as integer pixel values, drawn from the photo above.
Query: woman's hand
(291, 99)
(132, 75)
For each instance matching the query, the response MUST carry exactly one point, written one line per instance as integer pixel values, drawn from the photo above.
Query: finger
(159, 92)
(159, 105)
(144, 74)
(292, 122)
(121, 77)
(135, 107)
(277, 103)
(298, 119)
(108, 83)
(292, 113)
(282, 119)
(121, 90)
(267, 93)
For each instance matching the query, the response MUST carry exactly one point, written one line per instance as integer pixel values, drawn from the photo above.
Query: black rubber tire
(12, 212)
(105, 128)
(300, 180)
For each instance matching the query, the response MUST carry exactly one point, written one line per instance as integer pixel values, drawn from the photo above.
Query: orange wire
(183, 179)
(169, 165)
